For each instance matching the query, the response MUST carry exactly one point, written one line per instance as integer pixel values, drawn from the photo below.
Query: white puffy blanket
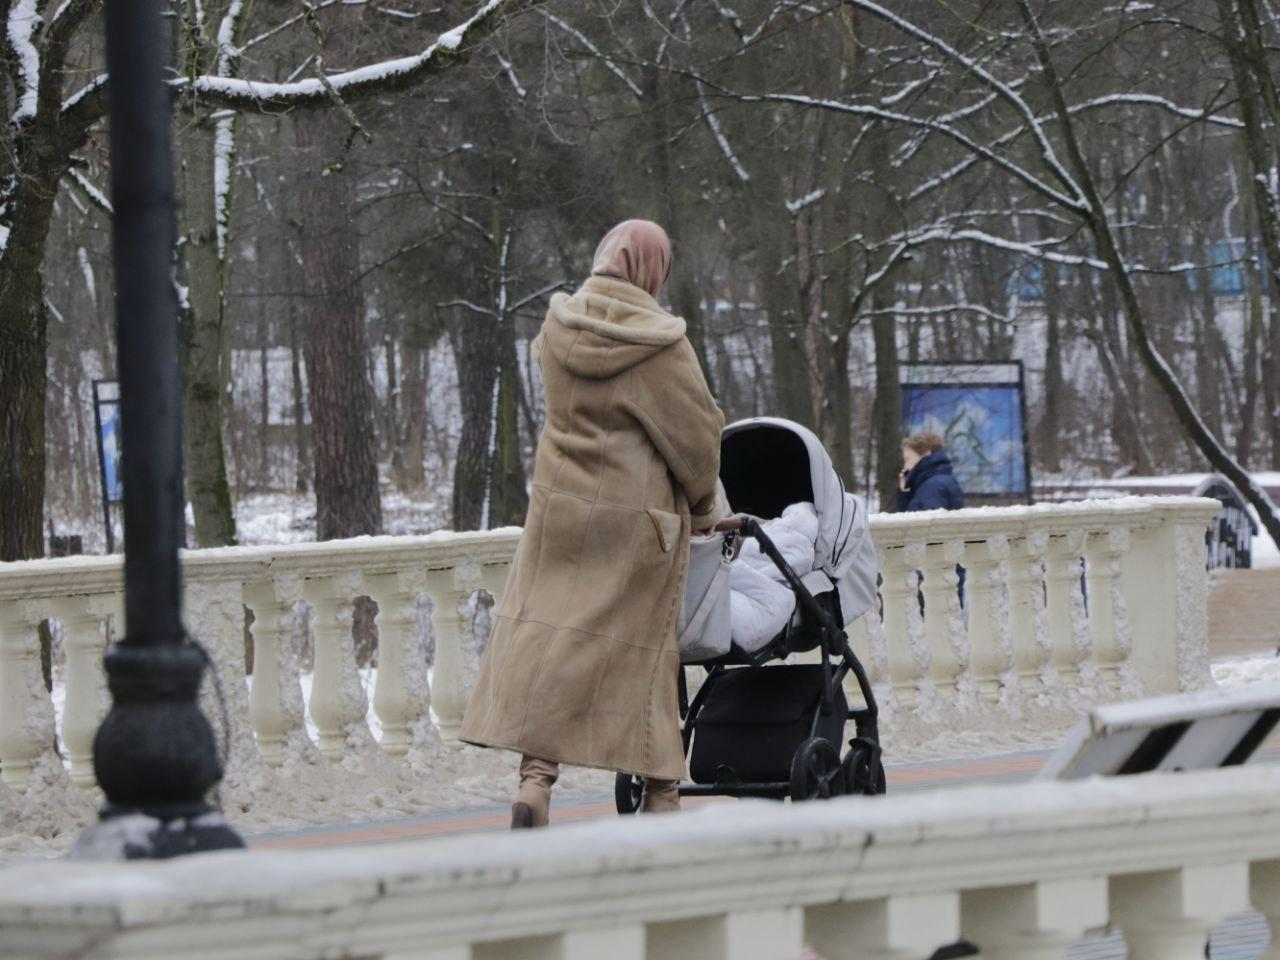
(760, 600)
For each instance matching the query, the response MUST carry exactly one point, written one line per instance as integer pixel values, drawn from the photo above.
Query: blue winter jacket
(931, 486)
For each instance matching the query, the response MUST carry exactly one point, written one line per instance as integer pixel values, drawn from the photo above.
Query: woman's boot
(533, 799)
(660, 796)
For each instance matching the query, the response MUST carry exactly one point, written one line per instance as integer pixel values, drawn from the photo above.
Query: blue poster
(979, 422)
(107, 400)
(111, 451)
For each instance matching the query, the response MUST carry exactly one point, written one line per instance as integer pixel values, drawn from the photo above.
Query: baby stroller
(760, 729)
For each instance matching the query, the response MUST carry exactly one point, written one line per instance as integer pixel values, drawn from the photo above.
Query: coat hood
(928, 466)
(607, 327)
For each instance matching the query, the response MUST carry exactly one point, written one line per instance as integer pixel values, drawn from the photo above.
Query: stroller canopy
(767, 464)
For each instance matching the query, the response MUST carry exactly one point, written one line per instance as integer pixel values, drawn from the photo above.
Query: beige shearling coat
(582, 665)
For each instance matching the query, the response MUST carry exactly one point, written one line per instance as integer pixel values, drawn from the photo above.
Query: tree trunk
(202, 345)
(336, 348)
(1054, 385)
(508, 492)
(475, 347)
(22, 402)
(302, 438)
(412, 475)
(24, 344)
(888, 409)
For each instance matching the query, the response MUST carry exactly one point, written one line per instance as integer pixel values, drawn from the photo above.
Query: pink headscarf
(637, 251)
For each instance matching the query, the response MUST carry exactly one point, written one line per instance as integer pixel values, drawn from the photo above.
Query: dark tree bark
(24, 344)
(302, 437)
(508, 490)
(475, 347)
(888, 409)
(412, 474)
(348, 501)
(202, 344)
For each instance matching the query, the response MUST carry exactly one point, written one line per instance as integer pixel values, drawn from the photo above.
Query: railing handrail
(78, 576)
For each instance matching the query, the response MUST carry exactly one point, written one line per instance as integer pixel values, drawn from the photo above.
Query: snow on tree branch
(928, 123)
(1150, 99)
(510, 71)
(21, 31)
(89, 191)
(808, 200)
(594, 51)
(385, 77)
(228, 54)
(713, 124)
(1005, 91)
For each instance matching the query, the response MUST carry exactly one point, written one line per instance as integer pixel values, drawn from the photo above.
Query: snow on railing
(1023, 871)
(1068, 603)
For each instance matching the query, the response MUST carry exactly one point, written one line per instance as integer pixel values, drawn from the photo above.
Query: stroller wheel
(626, 793)
(816, 773)
(862, 770)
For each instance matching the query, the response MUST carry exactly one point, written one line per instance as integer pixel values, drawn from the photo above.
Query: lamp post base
(130, 835)
(155, 757)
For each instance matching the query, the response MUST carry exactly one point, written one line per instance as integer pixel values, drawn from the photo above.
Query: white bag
(705, 627)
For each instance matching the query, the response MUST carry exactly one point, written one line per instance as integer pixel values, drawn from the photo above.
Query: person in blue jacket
(926, 481)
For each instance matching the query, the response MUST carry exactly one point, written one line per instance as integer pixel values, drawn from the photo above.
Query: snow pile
(1243, 671)
(44, 821)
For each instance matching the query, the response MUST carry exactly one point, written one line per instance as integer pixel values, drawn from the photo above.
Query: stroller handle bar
(837, 641)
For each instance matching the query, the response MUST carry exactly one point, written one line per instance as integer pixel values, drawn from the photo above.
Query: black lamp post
(154, 754)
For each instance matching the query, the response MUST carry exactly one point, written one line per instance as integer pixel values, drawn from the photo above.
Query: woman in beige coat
(582, 667)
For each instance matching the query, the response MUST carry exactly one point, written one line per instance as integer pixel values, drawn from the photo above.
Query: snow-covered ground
(272, 518)
(369, 786)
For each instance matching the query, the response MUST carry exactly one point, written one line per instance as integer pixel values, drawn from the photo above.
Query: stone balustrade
(1086, 601)
(1023, 871)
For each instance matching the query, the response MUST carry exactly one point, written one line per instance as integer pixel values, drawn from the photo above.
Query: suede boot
(533, 799)
(660, 796)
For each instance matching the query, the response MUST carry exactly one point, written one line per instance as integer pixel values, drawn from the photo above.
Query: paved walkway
(1244, 611)
(902, 778)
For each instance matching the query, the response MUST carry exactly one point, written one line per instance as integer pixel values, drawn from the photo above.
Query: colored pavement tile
(902, 778)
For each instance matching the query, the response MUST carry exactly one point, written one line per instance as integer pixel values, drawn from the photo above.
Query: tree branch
(249, 96)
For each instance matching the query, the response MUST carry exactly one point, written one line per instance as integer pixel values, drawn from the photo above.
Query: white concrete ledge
(410, 899)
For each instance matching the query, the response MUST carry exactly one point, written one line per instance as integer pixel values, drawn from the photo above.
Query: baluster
(1165, 587)
(1108, 628)
(1167, 915)
(860, 642)
(1035, 921)
(214, 615)
(26, 710)
(1064, 602)
(451, 619)
(757, 935)
(338, 703)
(1264, 883)
(1026, 608)
(989, 647)
(877, 662)
(902, 927)
(900, 609)
(275, 696)
(402, 695)
(86, 695)
(943, 618)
